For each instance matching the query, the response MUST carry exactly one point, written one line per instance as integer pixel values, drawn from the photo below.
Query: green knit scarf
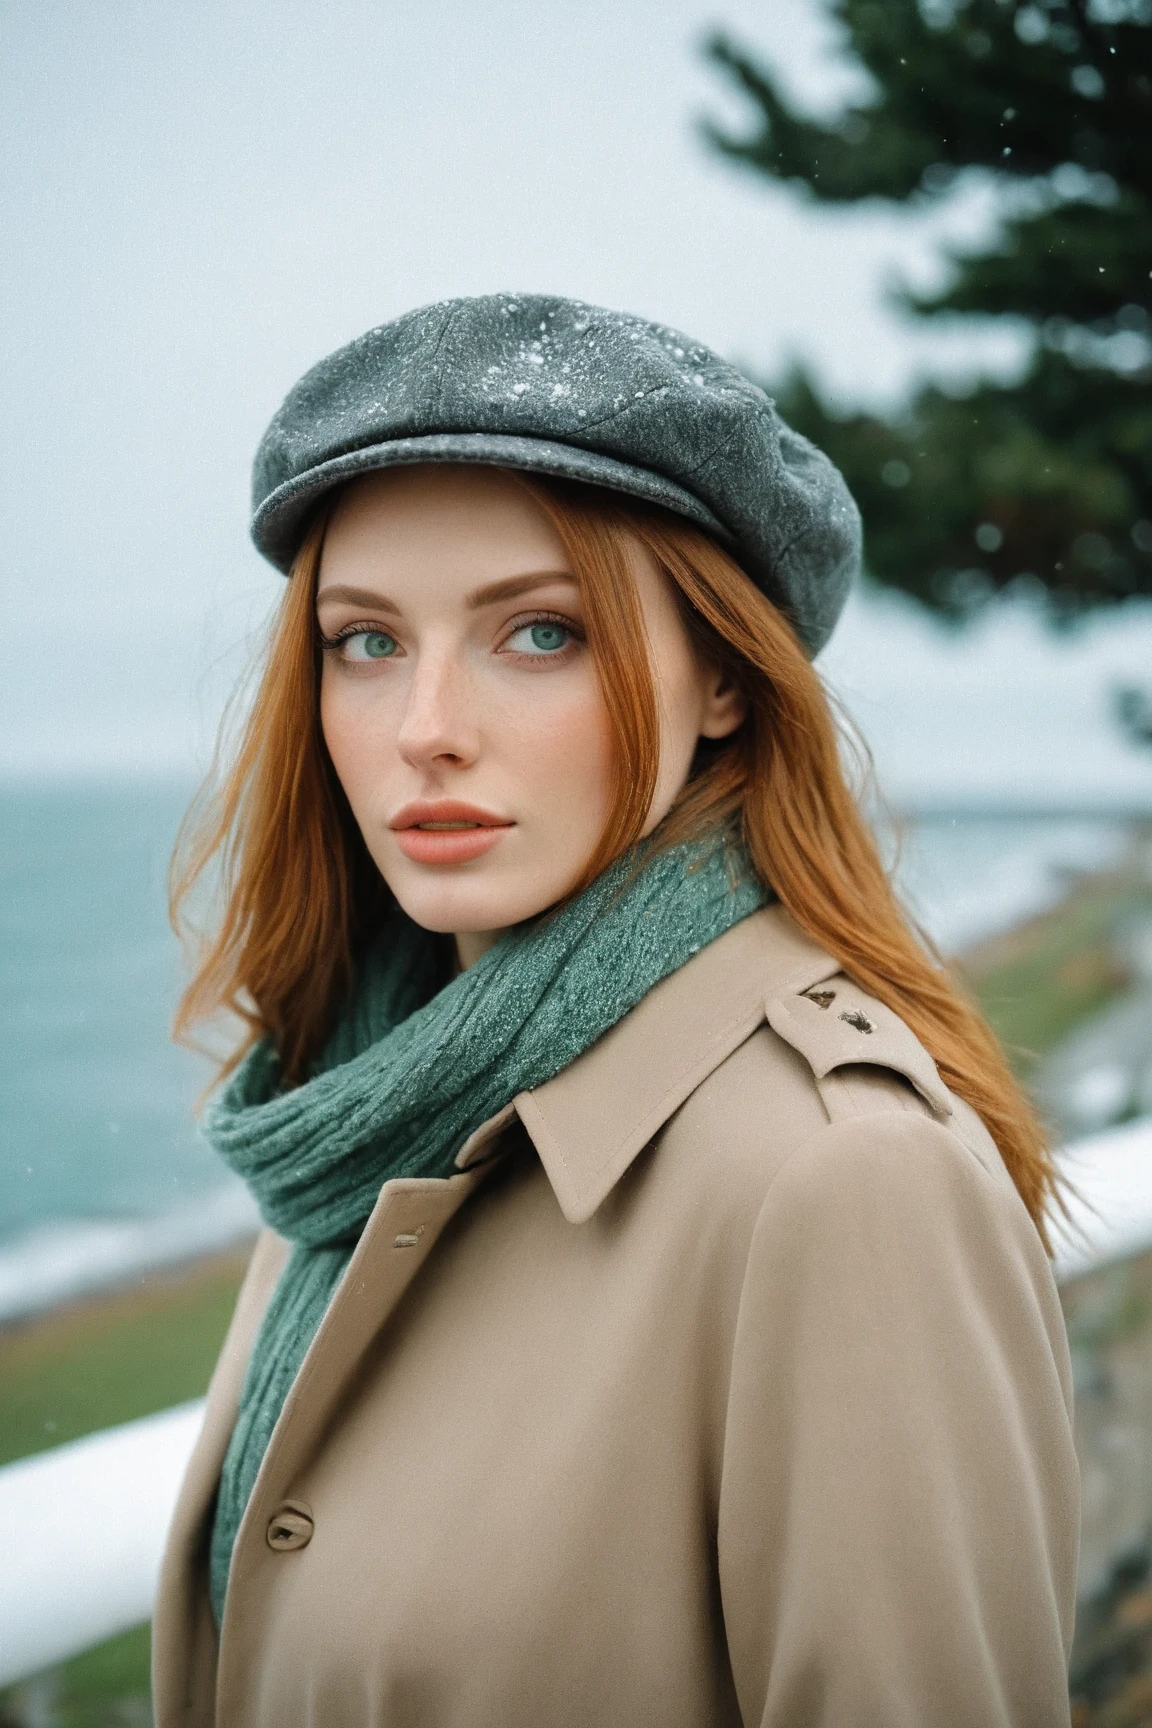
(414, 1066)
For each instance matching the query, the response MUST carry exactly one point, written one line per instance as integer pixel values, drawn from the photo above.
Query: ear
(725, 706)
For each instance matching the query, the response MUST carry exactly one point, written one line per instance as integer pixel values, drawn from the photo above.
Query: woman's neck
(470, 944)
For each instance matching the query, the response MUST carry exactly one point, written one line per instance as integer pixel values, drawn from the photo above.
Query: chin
(464, 907)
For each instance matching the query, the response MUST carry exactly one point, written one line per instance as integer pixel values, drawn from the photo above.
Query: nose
(438, 727)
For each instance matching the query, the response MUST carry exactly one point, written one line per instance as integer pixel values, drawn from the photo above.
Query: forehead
(412, 523)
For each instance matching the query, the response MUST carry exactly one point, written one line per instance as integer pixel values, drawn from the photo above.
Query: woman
(654, 1323)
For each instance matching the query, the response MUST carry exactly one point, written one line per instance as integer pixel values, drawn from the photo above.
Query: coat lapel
(591, 1121)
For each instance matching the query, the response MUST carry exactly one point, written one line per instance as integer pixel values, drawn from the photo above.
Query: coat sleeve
(899, 1505)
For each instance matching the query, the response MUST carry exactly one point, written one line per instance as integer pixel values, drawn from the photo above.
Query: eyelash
(329, 644)
(529, 618)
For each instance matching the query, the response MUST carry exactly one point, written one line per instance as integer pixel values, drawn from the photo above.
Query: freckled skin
(436, 698)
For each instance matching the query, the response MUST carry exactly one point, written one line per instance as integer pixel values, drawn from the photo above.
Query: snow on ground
(1110, 1203)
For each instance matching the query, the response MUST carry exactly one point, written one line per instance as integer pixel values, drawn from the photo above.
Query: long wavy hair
(298, 892)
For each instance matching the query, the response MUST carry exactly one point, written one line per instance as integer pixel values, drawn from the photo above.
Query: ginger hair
(299, 892)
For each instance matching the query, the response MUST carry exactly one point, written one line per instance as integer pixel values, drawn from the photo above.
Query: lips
(446, 831)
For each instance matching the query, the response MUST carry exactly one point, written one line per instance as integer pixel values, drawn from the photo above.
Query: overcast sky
(200, 199)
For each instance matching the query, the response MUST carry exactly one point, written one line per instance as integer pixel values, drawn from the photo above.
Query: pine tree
(1046, 481)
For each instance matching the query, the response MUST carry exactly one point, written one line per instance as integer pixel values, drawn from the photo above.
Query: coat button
(289, 1528)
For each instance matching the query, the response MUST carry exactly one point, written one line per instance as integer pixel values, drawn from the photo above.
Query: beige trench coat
(726, 1384)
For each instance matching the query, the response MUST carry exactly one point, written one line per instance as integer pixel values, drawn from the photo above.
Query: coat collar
(591, 1121)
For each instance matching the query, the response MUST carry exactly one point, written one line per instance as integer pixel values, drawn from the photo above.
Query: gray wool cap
(555, 386)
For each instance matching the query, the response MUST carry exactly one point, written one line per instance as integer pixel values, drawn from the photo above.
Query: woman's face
(460, 703)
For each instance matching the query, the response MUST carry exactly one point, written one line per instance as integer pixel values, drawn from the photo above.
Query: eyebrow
(491, 593)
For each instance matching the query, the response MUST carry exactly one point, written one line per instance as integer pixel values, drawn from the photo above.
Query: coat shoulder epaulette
(863, 1057)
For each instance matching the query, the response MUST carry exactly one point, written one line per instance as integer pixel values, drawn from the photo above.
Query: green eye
(368, 645)
(546, 636)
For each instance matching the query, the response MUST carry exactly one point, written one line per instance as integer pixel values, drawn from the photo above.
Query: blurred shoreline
(112, 1357)
(104, 1178)
(57, 1264)
(131, 1297)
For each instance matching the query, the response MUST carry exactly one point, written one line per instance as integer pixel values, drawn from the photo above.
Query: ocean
(102, 1171)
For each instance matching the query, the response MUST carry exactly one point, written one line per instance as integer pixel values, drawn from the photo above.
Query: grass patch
(107, 1687)
(1036, 983)
(114, 1358)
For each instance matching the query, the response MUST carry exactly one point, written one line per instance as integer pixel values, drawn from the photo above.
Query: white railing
(81, 1534)
(82, 1526)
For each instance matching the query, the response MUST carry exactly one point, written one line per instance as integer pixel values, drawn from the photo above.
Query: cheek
(354, 730)
(561, 749)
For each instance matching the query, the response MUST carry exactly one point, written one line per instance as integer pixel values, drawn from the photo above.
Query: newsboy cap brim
(553, 386)
(281, 521)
